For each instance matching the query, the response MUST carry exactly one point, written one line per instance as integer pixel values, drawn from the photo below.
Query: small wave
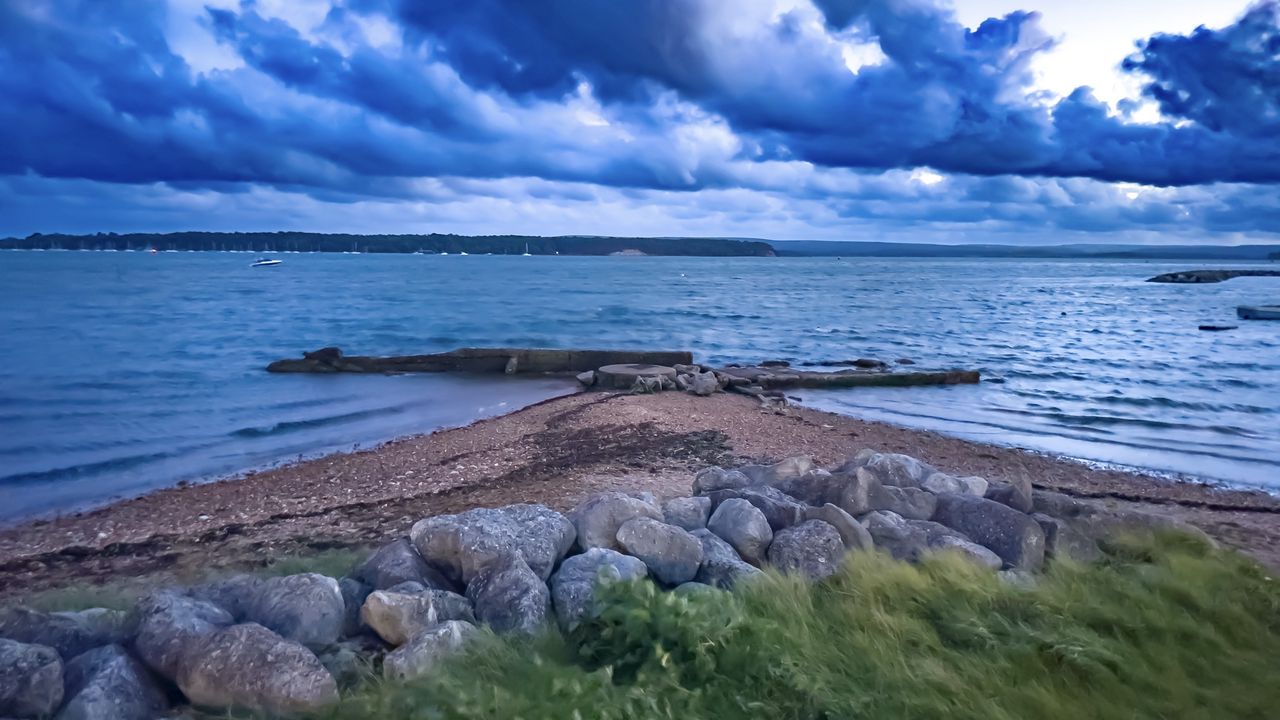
(288, 426)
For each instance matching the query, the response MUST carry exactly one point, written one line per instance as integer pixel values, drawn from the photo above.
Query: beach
(556, 452)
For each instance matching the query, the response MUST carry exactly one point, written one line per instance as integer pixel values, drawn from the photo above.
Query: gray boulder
(587, 378)
(813, 549)
(172, 627)
(1016, 494)
(781, 510)
(694, 588)
(893, 534)
(672, 555)
(346, 662)
(30, 679)
(233, 593)
(248, 666)
(510, 597)
(744, 527)
(1063, 540)
(70, 633)
(573, 587)
(717, 478)
(792, 467)
(909, 502)
(598, 518)
(354, 593)
(966, 548)
(306, 608)
(399, 562)
(398, 617)
(427, 650)
(852, 533)
(939, 483)
(851, 491)
(462, 546)
(703, 384)
(898, 470)
(1012, 535)
(721, 566)
(1099, 523)
(689, 513)
(106, 683)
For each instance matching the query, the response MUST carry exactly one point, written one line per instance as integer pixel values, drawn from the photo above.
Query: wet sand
(556, 452)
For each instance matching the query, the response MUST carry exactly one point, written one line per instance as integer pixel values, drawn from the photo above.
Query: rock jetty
(1210, 276)
(289, 645)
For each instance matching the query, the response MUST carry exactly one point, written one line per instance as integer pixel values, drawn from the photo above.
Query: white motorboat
(265, 262)
(1258, 312)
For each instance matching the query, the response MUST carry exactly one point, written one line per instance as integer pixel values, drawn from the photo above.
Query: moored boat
(265, 262)
(1258, 312)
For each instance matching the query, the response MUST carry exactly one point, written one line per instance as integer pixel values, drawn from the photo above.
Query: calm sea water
(125, 372)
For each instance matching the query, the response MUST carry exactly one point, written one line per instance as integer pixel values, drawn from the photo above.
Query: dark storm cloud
(638, 96)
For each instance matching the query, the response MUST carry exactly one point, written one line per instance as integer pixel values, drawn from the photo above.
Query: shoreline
(554, 452)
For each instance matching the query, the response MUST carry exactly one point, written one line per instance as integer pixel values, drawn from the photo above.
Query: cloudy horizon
(886, 120)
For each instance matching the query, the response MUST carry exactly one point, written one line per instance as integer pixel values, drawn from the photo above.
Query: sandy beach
(556, 453)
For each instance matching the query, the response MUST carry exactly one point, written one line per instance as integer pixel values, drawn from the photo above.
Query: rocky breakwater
(289, 645)
(1210, 276)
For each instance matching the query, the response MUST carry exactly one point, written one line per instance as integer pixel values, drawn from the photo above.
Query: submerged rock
(427, 650)
(462, 546)
(813, 549)
(598, 518)
(30, 679)
(107, 683)
(1012, 535)
(744, 527)
(510, 597)
(721, 566)
(248, 666)
(573, 587)
(672, 555)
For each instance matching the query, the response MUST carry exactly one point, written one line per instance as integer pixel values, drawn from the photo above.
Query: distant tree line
(274, 242)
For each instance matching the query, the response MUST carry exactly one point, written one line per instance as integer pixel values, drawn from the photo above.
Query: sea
(124, 372)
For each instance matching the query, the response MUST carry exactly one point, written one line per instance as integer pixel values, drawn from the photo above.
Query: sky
(1005, 121)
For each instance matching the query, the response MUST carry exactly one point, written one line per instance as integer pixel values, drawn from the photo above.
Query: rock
(1063, 540)
(464, 545)
(852, 533)
(625, 376)
(1014, 536)
(587, 379)
(248, 666)
(909, 502)
(850, 490)
(409, 588)
(598, 518)
(689, 513)
(346, 664)
(969, 549)
(693, 588)
(780, 510)
(898, 470)
(744, 527)
(354, 593)
(648, 385)
(232, 594)
(716, 478)
(704, 384)
(30, 679)
(894, 535)
(172, 627)
(1015, 494)
(869, 364)
(721, 566)
(306, 608)
(687, 369)
(427, 650)
(397, 617)
(939, 483)
(573, 587)
(106, 683)
(399, 562)
(1057, 505)
(905, 361)
(792, 467)
(672, 555)
(510, 597)
(812, 548)
(70, 633)
(684, 382)
(1098, 523)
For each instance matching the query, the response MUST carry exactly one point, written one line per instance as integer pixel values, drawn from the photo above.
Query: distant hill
(1150, 252)
(271, 242)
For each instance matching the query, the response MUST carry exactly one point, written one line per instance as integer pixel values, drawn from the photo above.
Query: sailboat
(526, 251)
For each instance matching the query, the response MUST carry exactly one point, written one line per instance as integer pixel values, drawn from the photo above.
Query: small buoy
(1218, 328)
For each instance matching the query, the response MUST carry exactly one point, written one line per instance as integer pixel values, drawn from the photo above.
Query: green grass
(1166, 628)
